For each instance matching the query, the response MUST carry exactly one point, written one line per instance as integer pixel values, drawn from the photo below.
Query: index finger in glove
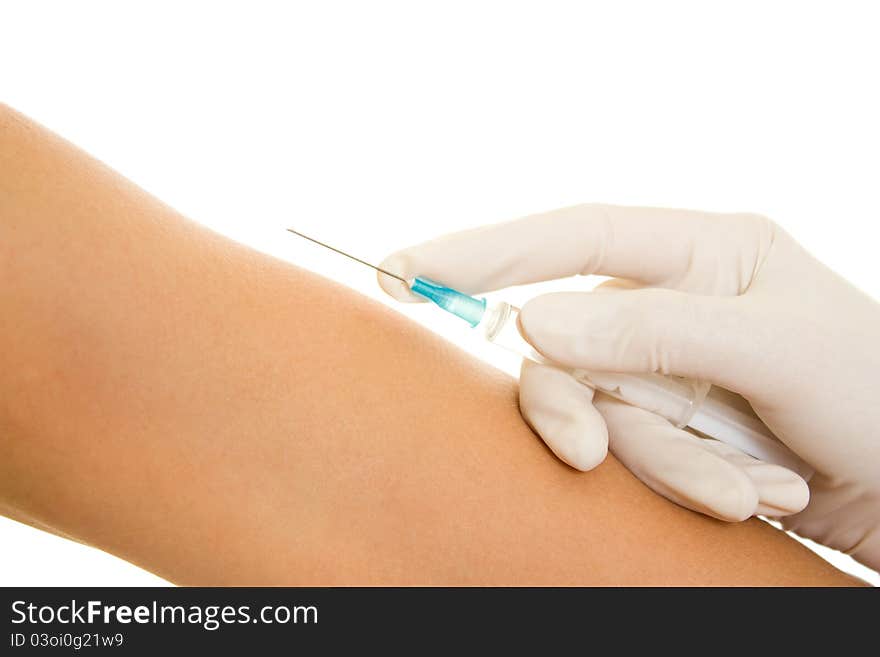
(654, 246)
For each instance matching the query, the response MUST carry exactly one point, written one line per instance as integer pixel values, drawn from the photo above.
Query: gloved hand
(725, 298)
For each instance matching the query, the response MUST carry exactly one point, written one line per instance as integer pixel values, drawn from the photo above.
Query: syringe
(711, 411)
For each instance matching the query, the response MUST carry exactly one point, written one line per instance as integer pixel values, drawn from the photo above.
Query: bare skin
(199, 409)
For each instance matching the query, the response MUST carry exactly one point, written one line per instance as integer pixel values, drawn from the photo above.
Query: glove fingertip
(583, 448)
(396, 264)
(560, 411)
(582, 452)
(781, 491)
(784, 498)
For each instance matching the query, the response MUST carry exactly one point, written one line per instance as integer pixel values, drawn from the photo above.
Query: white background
(376, 124)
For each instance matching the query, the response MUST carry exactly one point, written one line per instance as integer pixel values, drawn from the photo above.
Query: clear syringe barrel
(713, 412)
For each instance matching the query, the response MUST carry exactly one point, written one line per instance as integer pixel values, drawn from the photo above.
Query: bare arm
(200, 409)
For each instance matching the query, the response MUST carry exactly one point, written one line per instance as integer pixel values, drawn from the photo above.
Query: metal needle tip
(348, 255)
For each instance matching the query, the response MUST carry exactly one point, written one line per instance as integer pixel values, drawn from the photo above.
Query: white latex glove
(725, 298)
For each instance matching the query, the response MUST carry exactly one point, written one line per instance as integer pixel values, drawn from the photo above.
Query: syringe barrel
(728, 417)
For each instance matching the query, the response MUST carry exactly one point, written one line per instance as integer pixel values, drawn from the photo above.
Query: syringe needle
(348, 255)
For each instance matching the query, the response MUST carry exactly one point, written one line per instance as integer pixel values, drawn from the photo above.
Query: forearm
(205, 412)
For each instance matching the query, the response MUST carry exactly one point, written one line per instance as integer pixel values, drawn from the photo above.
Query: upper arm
(206, 412)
